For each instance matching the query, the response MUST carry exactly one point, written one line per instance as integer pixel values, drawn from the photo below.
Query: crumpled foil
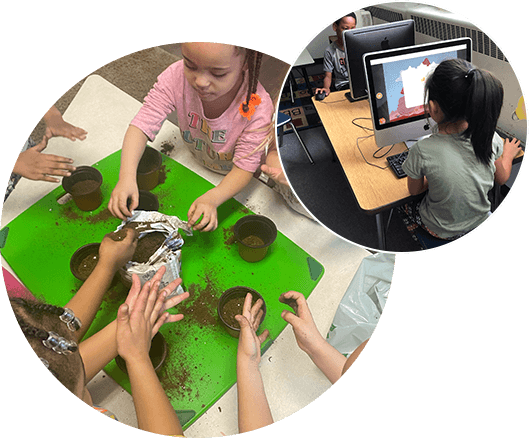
(169, 254)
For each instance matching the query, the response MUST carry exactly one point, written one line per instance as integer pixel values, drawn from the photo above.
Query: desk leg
(307, 80)
(381, 231)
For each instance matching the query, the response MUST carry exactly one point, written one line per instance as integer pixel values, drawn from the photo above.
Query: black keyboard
(395, 162)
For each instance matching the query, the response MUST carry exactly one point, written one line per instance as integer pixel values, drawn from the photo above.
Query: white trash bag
(362, 304)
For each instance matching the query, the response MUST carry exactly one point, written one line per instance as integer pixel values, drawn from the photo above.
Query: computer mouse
(321, 95)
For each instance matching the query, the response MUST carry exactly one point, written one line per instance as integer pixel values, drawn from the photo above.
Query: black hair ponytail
(484, 102)
(464, 92)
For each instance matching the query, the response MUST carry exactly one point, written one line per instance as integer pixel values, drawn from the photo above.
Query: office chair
(283, 120)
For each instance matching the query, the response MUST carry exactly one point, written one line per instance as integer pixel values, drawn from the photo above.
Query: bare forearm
(153, 409)
(131, 152)
(236, 180)
(329, 360)
(327, 80)
(98, 350)
(87, 300)
(253, 410)
(503, 169)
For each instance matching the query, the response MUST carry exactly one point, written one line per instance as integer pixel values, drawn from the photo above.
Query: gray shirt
(334, 61)
(456, 201)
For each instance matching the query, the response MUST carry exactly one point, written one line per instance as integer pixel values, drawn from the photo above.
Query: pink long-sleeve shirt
(216, 143)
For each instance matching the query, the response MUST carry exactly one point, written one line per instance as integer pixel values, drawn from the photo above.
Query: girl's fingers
(141, 301)
(159, 322)
(257, 319)
(152, 298)
(134, 291)
(158, 307)
(256, 308)
(247, 306)
(173, 301)
(262, 337)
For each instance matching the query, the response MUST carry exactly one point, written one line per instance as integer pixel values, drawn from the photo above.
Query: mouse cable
(365, 128)
(358, 146)
(385, 153)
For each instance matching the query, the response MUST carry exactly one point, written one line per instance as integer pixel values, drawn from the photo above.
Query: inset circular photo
(402, 127)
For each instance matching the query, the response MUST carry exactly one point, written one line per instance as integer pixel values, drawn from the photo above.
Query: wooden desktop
(376, 188)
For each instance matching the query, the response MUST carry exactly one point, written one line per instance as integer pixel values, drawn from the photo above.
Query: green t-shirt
(456, 201)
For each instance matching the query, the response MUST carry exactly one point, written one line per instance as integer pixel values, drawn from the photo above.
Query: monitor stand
(351, 99)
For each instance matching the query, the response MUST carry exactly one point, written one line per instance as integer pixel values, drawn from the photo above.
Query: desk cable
(365, 128)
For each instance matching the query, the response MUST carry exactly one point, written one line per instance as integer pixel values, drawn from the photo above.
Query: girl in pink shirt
(224, 116)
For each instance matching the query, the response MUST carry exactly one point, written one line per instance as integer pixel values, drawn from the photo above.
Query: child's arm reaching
(511, 148)
(329, 360)
(253, 408)
(57, 126)
(98, 350)
(134, 333)
(112, 256)
(207, 204)
(127, 187)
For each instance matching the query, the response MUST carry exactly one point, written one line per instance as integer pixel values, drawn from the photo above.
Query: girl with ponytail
(458, 165)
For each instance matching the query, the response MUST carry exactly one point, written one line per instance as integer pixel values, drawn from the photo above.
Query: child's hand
(65, 129)
(205, 206)
(115, 254)
(276, 174)
(305, 330)
(511, 147)
(155, 281)
(327, 91)
(142, 315)
(57, 127)
(249, 343)
(118, 204)
(34, 165)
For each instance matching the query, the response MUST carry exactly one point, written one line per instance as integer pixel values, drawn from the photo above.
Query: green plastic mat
(201, 362)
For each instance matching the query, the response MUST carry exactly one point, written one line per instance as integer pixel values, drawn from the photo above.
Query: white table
(291, 380)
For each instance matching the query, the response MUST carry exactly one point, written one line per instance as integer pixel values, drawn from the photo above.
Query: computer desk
(376, 190)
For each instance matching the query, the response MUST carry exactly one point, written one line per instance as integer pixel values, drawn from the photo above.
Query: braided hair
(40, 324)
(253, 59)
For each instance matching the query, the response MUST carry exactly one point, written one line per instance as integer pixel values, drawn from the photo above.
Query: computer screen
(396, 80)
(358, 42)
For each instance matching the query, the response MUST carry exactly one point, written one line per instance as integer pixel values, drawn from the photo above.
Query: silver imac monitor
(358, 42)
(395, 81)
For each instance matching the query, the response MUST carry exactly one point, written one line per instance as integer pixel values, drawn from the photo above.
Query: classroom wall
(439, 24)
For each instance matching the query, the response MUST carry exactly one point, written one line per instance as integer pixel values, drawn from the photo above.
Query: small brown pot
(77, 258)
(254, 235)
(148, 201)
(149, 167)
(237, 293)
(84, 184)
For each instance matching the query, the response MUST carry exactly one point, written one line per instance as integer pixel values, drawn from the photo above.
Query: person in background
(334, 57)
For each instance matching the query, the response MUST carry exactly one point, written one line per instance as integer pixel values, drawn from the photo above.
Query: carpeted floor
(325, 191)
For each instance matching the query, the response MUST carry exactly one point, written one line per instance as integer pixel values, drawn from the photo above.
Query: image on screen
(399, 83)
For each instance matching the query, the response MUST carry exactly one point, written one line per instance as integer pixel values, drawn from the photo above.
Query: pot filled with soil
(148, 201)
(157, 353)
(84, 260)
(84, 184)
(254, 235)
(146, 247)
(231, 303)
(149, 169)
